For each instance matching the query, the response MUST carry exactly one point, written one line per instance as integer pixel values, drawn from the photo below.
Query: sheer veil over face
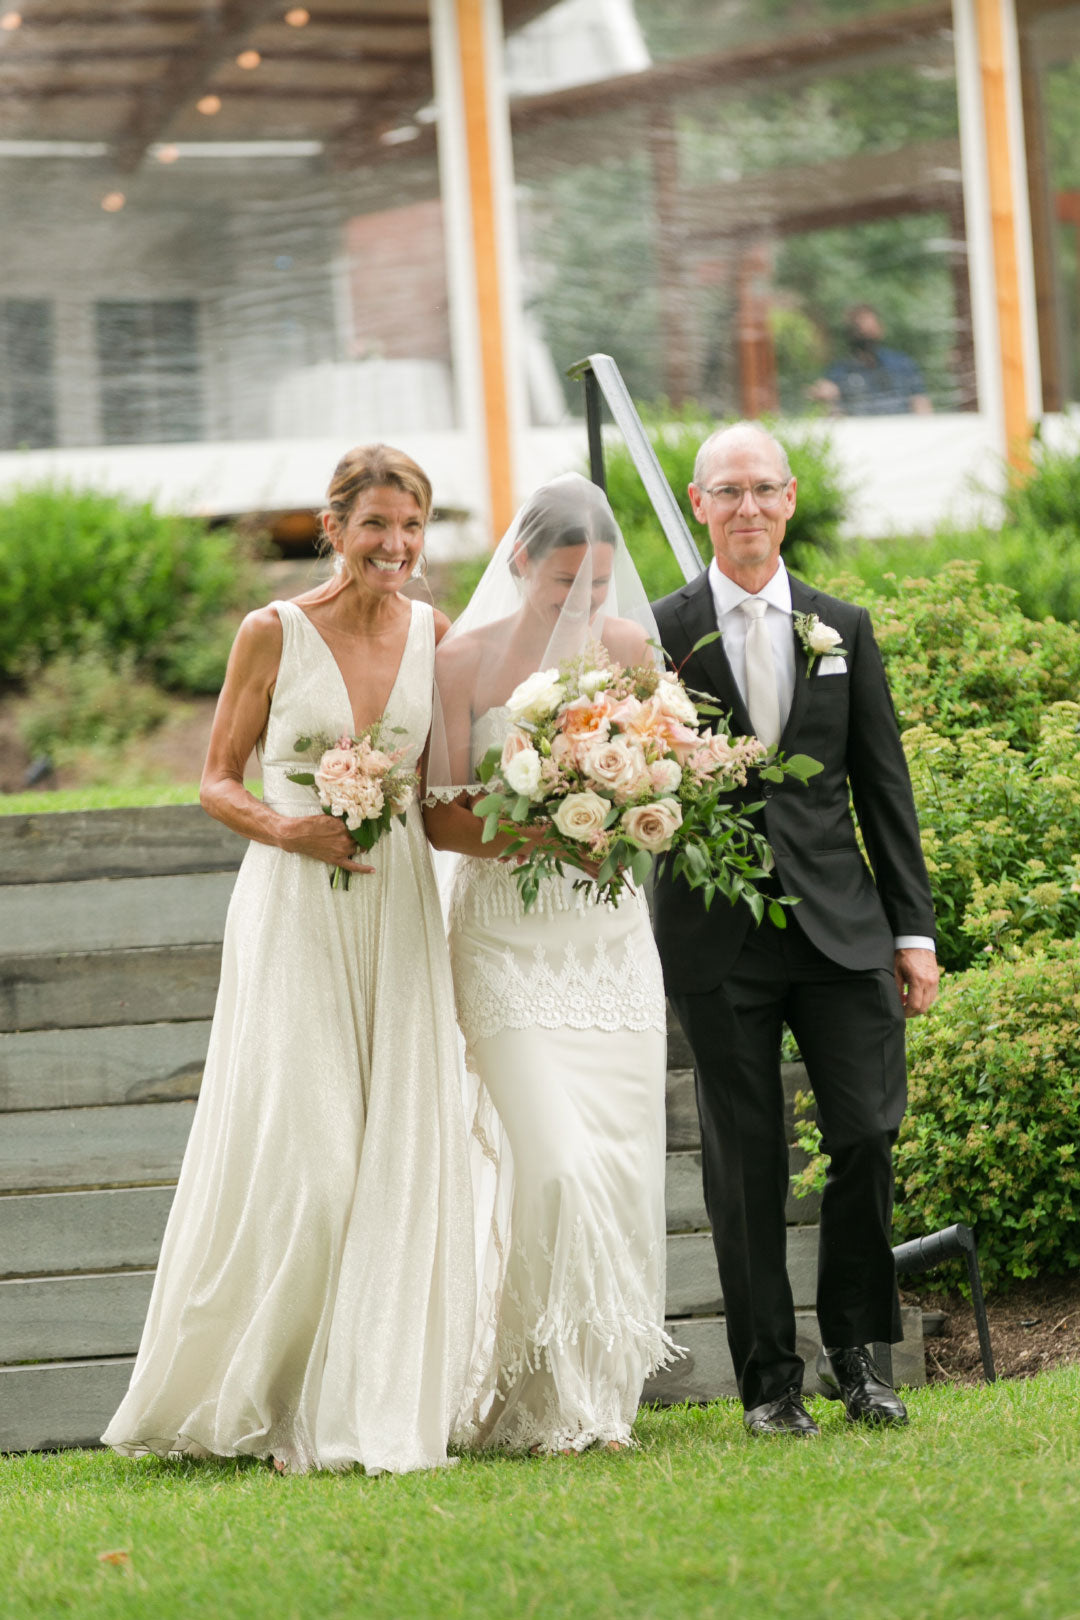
(560, 580)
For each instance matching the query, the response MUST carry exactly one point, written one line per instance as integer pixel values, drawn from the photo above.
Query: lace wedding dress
(313, 1297)
(563, 1013)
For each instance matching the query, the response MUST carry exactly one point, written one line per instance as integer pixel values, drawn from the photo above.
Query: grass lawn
(971, 1514)
(126, 796)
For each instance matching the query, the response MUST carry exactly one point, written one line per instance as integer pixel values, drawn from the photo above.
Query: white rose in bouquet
(537, 696)
(673, 699)
(580, 815)
(652, 826)
(593, 679)
(617, 765)
(522, 772)
(665, 775)
(822, 638)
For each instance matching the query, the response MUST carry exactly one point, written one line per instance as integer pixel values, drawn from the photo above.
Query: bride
(562, 1009)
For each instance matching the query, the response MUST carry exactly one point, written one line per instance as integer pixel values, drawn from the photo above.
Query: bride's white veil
(560, 580)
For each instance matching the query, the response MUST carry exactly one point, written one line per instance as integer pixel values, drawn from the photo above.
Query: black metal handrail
(924, 1253)
(601, 377)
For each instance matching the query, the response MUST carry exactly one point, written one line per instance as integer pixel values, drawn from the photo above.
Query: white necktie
(762, 698)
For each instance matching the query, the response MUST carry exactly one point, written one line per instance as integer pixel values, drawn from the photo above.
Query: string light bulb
(10, 21)
(248, 59)
(167, 154)
(209, 105)
(297, 17)
(113, 201)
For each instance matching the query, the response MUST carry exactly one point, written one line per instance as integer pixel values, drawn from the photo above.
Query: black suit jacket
(847, 722)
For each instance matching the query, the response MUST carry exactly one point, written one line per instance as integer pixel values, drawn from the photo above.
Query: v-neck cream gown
(315, 1294)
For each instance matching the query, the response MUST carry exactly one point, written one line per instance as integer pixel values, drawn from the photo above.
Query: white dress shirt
(732, 623)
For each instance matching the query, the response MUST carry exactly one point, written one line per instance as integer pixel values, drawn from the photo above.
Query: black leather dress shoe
(854, 1377)
(787, 1415)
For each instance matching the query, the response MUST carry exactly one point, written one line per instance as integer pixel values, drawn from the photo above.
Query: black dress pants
(850, 1030)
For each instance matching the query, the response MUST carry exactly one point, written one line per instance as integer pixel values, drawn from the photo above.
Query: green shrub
(962, 654)
(676, 436)
(1049, 498)
(990, 1136)
(85, 702)
(1036, 552)
(75, 564)
(1001, 835)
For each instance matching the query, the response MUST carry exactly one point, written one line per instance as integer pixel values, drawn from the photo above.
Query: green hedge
(78, 567)
(990, 1135)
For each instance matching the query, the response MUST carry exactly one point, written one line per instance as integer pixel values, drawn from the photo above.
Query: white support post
(480, 229)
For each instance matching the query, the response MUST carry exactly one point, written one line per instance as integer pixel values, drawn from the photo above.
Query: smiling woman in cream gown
(314, 1296)
(563, 1012)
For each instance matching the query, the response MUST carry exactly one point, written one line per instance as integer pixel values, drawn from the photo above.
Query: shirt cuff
(914, 942)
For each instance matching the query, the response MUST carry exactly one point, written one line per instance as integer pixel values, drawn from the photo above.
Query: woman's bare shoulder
(259, 639)
(471, 647)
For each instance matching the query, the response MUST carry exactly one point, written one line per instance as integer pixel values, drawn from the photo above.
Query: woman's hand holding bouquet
(360, 783)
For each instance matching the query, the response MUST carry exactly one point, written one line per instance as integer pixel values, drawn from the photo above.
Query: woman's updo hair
(375, 466)
(569, 512)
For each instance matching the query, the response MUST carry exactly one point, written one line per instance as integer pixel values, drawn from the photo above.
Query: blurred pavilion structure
(239, 237)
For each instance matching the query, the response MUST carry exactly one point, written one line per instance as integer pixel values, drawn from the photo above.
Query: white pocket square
(832, 665)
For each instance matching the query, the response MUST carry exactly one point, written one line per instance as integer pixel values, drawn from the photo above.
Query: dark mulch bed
(1034, 1326)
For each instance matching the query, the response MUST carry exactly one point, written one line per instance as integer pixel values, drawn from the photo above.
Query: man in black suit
(856, 957)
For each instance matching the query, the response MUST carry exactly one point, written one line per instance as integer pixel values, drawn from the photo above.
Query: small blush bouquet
(618, 766)
(361, 783)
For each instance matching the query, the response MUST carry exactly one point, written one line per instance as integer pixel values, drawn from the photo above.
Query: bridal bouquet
(361, 783)
(619, 765)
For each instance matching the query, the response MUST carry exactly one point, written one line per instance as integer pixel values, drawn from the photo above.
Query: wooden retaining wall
(110, 933)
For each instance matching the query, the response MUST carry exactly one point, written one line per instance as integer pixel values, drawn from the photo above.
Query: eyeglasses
(729, 496)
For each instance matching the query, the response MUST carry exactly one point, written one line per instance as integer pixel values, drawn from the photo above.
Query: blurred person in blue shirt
(870, 379)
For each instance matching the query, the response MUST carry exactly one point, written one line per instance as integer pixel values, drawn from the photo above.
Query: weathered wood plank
(693, 1287)
(91, 989)
(79, 1068)
(115, 843)
(58, 1318)
(104, 1230)
(68, 1404)
(706, 1372)
(46, 1150)
(686, 1201)
(106, 914)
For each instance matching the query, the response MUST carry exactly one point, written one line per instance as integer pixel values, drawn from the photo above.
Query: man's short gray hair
(705, 454)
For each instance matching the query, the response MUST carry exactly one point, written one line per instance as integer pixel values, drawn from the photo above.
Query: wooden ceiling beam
(773, 58)
(359, 141)
(221, 36)
(117, 17)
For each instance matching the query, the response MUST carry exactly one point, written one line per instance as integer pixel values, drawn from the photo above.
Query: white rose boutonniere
(818, 640)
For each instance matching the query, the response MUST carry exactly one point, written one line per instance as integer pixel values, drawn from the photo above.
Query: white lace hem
(612, 991)
(447, 795)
